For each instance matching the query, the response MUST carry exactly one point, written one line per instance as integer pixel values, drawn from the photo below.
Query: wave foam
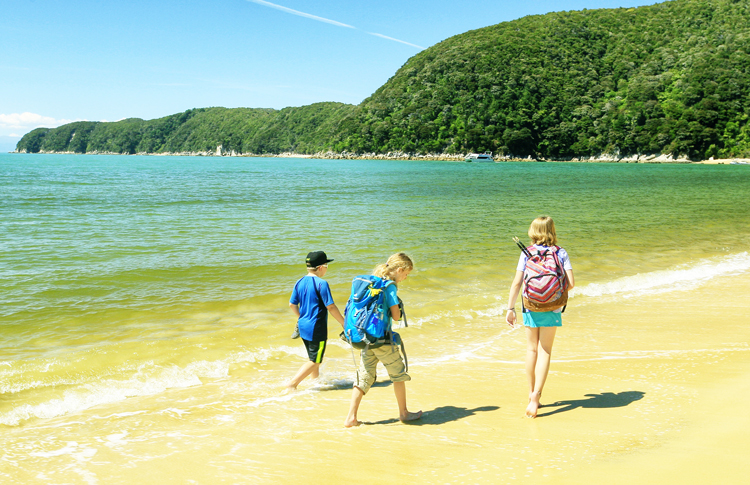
(683, 277)
(144, 383)
(147, 380)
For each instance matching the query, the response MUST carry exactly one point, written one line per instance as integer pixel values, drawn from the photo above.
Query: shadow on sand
(344, 385)
(599, 401)
(441, 415)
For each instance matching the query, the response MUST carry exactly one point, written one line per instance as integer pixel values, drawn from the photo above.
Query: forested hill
(671, 78)
(202, 130)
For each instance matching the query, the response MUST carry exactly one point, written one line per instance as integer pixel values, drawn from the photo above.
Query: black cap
(317, 258)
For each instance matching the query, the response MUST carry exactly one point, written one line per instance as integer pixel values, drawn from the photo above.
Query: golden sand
(647, 390)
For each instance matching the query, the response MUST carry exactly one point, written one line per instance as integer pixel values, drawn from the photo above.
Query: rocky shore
(453, 157)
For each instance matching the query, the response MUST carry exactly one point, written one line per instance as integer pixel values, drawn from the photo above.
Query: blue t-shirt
(313, 315)
(390, 299)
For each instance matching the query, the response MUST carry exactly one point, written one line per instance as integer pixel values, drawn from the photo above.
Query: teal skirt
(542, 319)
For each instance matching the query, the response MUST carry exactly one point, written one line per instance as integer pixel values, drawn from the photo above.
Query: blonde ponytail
(388, 269)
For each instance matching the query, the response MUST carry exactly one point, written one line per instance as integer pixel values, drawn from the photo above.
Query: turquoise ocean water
(127, 276)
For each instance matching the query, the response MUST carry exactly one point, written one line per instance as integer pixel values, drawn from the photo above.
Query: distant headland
(663, 83)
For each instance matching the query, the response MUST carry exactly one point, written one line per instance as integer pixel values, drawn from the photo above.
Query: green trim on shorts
(319, 357)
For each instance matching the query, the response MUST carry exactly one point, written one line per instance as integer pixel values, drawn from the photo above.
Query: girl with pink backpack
(545, 274)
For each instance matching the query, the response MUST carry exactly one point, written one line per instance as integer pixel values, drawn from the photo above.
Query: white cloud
(29, 121)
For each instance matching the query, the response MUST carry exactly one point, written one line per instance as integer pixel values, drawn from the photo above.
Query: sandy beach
(638, 392)
(648, 390)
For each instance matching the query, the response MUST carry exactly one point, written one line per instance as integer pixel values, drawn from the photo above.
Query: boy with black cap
(311, 301)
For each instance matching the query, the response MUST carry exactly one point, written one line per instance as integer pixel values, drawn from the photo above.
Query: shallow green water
(110, 265)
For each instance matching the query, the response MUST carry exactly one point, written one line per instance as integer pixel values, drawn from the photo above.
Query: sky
(106, 60)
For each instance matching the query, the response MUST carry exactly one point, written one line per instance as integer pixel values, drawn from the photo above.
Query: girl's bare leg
(532, 345)
(541, 370)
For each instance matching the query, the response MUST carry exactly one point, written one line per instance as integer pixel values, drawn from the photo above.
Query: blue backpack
(366, 315)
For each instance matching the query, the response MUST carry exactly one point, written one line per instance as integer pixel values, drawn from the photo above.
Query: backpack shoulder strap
(321, 303)
(534, 250)
(386, 285)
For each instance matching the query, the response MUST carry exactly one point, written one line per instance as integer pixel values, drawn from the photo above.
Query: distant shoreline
(418, 156)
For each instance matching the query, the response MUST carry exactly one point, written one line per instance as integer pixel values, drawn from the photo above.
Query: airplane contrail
(396, 40)
(301, 14)
(328, 21)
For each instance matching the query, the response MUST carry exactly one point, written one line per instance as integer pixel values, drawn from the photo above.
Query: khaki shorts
(391, 359)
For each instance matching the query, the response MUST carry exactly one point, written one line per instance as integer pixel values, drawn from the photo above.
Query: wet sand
(649, 390)
(638, 391)
(645, 390)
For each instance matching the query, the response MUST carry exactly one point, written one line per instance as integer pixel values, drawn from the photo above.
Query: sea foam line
(468, 352)
(650, 354)
(466, 356)
(148, 380)
(107, 391)
(683, 277)
(13, 380)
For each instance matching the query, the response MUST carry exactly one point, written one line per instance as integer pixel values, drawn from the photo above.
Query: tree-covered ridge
(241, 130)
(668, 78)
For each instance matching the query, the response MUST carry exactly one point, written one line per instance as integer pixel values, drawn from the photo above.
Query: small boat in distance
(479, 157)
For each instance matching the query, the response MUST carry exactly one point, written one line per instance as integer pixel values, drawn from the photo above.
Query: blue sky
(108, 60)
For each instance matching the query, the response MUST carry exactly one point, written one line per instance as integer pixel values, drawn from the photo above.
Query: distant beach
(329, 155)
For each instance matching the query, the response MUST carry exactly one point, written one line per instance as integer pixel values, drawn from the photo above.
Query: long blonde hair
(542, 231)
(396, 261)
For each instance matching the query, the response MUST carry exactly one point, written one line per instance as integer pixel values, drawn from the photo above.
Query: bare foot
(410, 416)
(349, 423)
(533, 406)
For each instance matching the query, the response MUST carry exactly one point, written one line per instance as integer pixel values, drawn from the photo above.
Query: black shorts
(315, 350)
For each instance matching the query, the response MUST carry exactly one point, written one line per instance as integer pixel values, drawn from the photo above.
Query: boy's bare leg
(351, 419)
(403, 413)
(304, 371)
(546, 339)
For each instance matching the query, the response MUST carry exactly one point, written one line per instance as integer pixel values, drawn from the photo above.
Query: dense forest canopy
(671, 78)
(242, 130)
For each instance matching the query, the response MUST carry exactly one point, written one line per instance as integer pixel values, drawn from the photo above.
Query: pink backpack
(545, 284)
